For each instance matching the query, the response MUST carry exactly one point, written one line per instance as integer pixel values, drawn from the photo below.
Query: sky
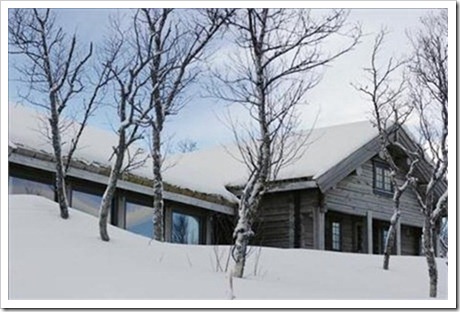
(332, 101)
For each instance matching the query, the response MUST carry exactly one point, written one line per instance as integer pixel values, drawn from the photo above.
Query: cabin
(335, 196)
(190, 216)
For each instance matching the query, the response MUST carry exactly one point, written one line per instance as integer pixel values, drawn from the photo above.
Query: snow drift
(51, 258)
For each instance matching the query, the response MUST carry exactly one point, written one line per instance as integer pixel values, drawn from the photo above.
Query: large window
(185, 229)
(336, 236)
(138, 219)
(23, 186)
(382, 179)
(86, 202)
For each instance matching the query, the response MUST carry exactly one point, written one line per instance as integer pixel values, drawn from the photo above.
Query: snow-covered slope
(208, 170)
(51, 258)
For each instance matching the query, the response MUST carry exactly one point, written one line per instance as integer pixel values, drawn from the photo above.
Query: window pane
(186, 229)
(23, 186)
(335, 235)
(378, 178)
(86, 202)
(139, 219)
(384, 237)
(387, 185)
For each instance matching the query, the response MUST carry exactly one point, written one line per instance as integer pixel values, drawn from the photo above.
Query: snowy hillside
(51, 258)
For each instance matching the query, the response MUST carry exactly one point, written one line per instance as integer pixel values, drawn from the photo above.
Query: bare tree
(179, 41)
(128, 55)
(283, 48)
(389, 114)
(187, 146)
(429, 94)
(53, 69)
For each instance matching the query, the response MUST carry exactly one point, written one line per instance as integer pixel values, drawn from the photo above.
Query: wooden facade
(350, 217)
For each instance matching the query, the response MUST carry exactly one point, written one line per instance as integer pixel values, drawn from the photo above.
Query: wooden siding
(286, 219)
(309, 202)
(349, 225)
(274, 224)
(410, 240)
(355, 195)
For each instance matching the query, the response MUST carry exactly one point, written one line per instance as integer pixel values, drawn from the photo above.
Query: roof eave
(31, 159)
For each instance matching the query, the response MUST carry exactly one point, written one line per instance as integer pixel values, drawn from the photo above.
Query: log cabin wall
(351, 229)
(286, 219)
(355, 195)
(309, 203)
(274, 225)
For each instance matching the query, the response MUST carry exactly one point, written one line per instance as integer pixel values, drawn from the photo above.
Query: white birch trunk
(158, 203)
(60, 174)
(390, 241)
(109, 192)
(428, 245)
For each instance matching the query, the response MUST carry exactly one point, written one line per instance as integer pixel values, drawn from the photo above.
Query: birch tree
(55, 73)
(390, 110)
(279, 52)
(128, 55)
(180, 38)
(429, 94)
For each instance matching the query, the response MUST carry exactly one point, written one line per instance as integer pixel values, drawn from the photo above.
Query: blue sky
(333, 101)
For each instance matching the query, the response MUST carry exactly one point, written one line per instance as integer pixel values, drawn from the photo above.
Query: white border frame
(6, 303)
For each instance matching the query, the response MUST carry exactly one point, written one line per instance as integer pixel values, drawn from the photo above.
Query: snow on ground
(51, 258)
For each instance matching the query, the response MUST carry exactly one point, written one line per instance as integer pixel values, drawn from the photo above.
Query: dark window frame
(200, 218)
(134, 198)
(336, 235)
(382, 190)
(31, 174)
(125, 226)
(40, 182)
(358, 237)
(90, 188)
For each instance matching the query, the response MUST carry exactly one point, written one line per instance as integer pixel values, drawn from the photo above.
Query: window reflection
(86, 202)
(139, 219)
(185, 229)
(23, 186)
(336, 239)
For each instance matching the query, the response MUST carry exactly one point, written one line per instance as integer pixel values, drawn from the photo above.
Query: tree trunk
(60, 175)
(240, 251)
(158, 204)
(428, 239)
(111, 187)
(247, 209)
(390, 241)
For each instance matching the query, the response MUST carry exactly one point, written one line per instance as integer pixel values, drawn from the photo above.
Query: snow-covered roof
(209, 170)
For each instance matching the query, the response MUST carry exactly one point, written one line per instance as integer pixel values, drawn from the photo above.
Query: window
(23, 186)
(384, 237)
(86, 202)
(336, 237)
(382, 179)
(138, 219)
(185, 229)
